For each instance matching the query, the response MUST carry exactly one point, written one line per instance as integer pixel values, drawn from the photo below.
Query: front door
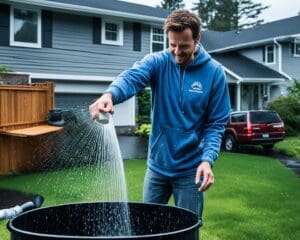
(250, 96)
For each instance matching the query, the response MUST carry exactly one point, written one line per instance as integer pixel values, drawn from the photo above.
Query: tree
(206, 10)
(226, 15)
(172, 4)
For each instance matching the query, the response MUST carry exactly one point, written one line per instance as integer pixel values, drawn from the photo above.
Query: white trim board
(70, 77)
(263, 80)
(89, 10)
(12, 41)
(254, 43)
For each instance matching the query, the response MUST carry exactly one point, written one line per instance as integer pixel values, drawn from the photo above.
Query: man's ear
(198, 39)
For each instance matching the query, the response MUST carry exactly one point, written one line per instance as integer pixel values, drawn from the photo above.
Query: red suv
(253, 127)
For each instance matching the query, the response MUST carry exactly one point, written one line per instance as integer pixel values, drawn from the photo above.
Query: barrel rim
(13, 229)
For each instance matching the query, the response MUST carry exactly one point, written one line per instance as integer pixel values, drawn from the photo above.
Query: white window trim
(119, 42)
(266, 54)
(12, 42)
(296, 41)
(151, 38)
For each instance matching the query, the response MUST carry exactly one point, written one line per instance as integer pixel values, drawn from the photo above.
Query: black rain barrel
(96, 220)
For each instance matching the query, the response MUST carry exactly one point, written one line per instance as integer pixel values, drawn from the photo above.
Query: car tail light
(279, 125)
(249, 129)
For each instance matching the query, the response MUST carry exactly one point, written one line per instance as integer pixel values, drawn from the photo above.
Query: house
(259, 62)
(81, 45)
(84, 45)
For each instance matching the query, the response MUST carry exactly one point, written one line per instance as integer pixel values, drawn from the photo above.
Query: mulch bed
(10, 198)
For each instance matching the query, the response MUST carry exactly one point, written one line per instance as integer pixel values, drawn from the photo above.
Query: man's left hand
(204, 170)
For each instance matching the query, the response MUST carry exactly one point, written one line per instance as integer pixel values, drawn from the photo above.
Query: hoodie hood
(201, 57)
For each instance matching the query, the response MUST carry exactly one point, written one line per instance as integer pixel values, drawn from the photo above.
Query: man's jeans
(159, 188)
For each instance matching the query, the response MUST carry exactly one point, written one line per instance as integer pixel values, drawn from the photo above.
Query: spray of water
(90, 151)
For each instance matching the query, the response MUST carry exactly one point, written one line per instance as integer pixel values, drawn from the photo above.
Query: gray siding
(275, 92)
(290, 63)
(73, 51)
(256, 54)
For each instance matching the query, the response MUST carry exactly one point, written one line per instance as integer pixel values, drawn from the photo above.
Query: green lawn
(254, 197)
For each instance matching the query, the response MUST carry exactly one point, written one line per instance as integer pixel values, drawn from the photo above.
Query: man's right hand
(103, 104)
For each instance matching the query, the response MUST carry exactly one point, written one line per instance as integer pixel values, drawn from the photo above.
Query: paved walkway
(293, 164)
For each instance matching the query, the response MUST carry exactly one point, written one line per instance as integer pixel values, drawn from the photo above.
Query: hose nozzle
(103, 118)
(15, 211)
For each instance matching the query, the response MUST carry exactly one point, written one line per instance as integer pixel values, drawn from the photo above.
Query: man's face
(182, 46)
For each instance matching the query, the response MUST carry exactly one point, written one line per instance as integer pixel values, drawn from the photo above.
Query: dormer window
(112, 32)
(297, 47)
(270, 54)
(25, 27)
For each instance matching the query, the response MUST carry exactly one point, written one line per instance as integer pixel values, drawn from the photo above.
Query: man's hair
(179, 20)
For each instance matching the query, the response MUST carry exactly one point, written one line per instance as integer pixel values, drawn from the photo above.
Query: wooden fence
(23, 118)
(25, 106)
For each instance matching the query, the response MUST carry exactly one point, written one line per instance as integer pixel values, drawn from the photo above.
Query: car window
(238, 118)
(264, 117)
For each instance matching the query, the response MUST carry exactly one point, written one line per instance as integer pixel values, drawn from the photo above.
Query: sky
(279, 9)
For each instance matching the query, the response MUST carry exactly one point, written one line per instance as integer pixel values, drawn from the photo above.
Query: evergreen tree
(206, 10)
(172, 4)
(225, 15)
(248, 13)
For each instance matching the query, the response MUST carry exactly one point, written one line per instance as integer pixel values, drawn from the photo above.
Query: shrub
(288, 107)
(4, 69)
(144, 106)
(144, 130)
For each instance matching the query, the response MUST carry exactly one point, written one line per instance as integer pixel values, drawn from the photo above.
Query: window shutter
(137, 37)
(4, 25)
(47, 29)
(264, 54)
(293, 48)
(97, 30)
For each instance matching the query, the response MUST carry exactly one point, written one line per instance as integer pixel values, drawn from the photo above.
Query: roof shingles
(213, 41)
(119, 6)
(245, 67)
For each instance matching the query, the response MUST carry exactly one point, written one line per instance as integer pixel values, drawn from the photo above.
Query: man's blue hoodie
(189, 112)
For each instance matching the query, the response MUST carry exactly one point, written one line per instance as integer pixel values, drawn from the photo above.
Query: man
(190, 108)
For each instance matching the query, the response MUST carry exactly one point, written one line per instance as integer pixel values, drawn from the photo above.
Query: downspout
(280, 59)
(238, 95)
(280, 64)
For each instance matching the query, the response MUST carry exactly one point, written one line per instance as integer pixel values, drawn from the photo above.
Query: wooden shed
(23, 119)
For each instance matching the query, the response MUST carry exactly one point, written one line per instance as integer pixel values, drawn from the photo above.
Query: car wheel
(230, 143)
(268, 147)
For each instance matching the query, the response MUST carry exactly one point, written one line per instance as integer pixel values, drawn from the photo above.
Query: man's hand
(204, 170)
(103, 104)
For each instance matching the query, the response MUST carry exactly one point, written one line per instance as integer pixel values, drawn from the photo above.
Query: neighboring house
(259, 62)
(81, 45)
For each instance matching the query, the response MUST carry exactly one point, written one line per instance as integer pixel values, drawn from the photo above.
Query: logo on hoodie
(196, 87)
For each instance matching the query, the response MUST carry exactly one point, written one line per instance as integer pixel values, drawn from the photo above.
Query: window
(297, 47)
(157, 39)
(25, 27)
(264, 117)
(112, 32)
(236, 118)
(270, 54)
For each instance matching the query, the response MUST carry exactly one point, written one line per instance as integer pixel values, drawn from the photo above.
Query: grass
(289, 146)
(254, 197)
